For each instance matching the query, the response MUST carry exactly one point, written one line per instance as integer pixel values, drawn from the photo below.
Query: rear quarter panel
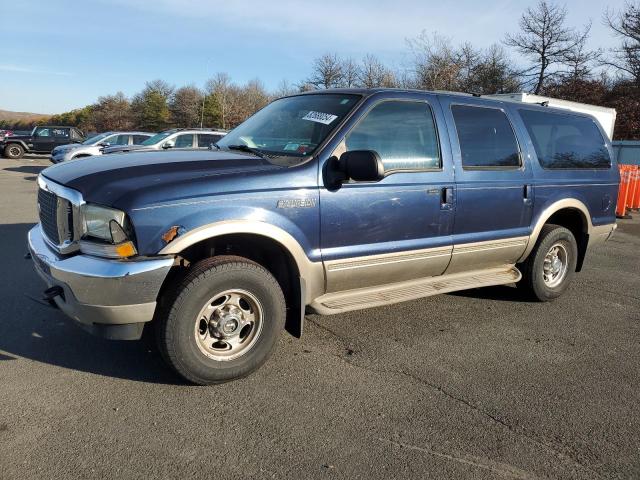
(596, 188)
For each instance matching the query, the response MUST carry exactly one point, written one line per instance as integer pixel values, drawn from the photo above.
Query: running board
(360, 298)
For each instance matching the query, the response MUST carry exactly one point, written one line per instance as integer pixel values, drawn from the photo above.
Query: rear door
(61, 136)
(399, 228)
(207, 139)
(121, 139)
(494, 191)
(138, 139)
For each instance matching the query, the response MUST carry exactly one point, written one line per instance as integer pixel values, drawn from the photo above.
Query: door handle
(446, 198)
(528, 194)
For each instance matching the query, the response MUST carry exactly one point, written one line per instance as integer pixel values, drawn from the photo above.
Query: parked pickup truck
(324, 202)
(43, 139)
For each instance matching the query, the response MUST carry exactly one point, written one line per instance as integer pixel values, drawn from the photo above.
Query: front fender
(296, 230)
(20, 142)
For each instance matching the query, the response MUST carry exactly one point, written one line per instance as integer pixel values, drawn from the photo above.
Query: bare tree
(373, 73)
(112, 112)
(350, 73)
(493, 73)
(186, 106)
(579, 62)
(546, 40)
(253, 97)
(626, 25)
(435, 62)
(327, 72)
(160, 86)
(284, 89)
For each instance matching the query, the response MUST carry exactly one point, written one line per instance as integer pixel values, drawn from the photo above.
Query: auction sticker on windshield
(320, 117)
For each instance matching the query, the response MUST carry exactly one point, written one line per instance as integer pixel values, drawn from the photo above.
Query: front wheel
(223, 320)
(548, 270)
(13, 151)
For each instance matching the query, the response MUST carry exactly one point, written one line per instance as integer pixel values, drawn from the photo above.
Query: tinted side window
(184, 141)
(204, 140)
(486, 137)
(138, 139)
(403, 133)
(566, 141)
(118, 140)
(61, 133)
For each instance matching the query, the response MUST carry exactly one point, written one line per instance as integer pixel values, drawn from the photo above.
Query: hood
(143, 178)
(68, 147)
(18, 137)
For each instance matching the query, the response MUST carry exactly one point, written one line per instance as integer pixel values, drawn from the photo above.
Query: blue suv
(325, 202)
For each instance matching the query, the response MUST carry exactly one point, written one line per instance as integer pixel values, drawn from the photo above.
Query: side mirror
(362, 165)
(168, 144)
(104, 144)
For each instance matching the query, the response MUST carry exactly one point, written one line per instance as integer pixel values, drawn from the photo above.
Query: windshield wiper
(247, 148)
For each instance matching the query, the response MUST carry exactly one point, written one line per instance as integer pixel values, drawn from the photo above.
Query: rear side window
(566, 141)
(61, 132)
(118, 140)
(206, 139)
(402, 133)
(138, 139)
(486, 137)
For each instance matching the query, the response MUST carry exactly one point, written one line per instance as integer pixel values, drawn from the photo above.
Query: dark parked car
(43, 139)
(326, 202)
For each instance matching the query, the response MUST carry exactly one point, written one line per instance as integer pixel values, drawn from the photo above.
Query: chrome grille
(58, 208)
(48, 209)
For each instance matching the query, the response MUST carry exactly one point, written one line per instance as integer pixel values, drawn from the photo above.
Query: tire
(192, 327)
(546, 285)
(14, 151)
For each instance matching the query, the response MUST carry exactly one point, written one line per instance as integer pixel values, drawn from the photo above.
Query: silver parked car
(95, 145)
(174, 138)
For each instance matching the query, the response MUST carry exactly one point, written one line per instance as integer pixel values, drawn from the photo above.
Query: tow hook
(51, 293)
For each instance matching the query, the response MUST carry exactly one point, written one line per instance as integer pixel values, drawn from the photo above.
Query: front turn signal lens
(125, 249)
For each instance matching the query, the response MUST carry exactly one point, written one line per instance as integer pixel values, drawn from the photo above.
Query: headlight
(105, 232)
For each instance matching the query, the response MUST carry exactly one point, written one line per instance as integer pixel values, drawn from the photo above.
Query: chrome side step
(360, 298)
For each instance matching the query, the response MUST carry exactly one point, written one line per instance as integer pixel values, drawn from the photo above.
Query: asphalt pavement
(474, 385)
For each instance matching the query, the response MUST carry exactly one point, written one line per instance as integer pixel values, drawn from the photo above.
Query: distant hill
(21, 117)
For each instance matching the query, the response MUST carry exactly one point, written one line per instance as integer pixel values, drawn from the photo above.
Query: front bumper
(110, 298)
(57, 158)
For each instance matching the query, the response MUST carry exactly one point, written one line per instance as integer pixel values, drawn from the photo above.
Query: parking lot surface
(478, 384)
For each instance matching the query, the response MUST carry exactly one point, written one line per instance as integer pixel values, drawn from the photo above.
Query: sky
(64, 54)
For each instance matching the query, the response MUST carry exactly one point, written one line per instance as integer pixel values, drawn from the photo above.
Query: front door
(494, 192)
(399, 228)
(43, 140)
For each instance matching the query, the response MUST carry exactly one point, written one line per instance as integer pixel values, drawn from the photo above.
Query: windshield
(157, 138)
(291, 126)
(95, 139)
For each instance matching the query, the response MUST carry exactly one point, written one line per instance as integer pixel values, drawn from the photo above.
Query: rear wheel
(13, 151)
(223, 320)
(548, 270)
